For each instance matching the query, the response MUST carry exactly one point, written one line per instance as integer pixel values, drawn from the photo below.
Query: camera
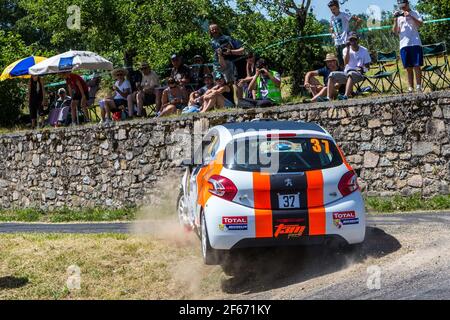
(399, 14)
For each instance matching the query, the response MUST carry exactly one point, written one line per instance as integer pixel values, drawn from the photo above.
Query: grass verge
(410, 203)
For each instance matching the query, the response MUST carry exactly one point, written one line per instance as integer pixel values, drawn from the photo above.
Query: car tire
(181, 211)
(210, 255)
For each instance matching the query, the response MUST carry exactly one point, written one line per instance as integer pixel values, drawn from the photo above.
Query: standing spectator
(179, 69)
(407, 23)
(146, 92)
(227, 51)
(199, 70)
(357, 61)
(174, 98)
(79, 91)
(122, 88)
(219, 96)
(266, 87)
(36, 101)
(340, 27)
(313, 85)
(242, 85)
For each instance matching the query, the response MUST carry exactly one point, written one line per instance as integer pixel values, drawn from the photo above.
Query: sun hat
(330, 57)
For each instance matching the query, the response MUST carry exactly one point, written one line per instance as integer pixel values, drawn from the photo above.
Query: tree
(435, 9)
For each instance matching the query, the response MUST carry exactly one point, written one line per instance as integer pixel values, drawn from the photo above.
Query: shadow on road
(260, 269)
(10, 282)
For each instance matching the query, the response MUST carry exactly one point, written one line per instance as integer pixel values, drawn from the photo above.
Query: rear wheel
(210, 256)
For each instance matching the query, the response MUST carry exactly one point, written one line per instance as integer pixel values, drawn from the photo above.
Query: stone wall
(398, 145)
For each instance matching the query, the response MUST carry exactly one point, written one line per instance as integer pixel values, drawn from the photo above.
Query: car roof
(273, 125)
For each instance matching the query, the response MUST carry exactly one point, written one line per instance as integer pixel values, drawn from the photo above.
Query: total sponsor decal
(344, 218)
(234, 223)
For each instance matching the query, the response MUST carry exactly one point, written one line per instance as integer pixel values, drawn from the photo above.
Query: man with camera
(406, 24)
(357, 61)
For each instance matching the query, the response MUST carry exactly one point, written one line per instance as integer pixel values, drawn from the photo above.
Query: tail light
(222, 187)
(348, 183)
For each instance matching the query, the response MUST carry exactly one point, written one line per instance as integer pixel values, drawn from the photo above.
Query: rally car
(265, 183)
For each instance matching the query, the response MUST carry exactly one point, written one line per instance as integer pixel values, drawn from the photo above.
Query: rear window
(281, 154)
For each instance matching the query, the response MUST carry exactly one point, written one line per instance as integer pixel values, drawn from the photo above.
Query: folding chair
(431, 54)
(385, 77)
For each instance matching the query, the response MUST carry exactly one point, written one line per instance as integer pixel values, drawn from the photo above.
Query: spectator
(186, 83)
(61, 108)
(199, 70)
(174, 98)
(179, 70)
(219, 96)
(242, 85)
(227, 52)
(36, 101)
(314, 86)
(266, 87)
(79, 91)
(340, 27)
(196, 97)
(93, 87)
(407, 23)
(357, 61)
(122, 88)
(146, 92)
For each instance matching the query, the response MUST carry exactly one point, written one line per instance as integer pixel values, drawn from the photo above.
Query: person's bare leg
(321, 93)
(316, 86)
(349, 87)
(158, 100)
(73, 111)
(418, 72)
(108, 107)
(410, 73)
(130, 101)
(220, 102)
(331, 88)
(140, 103)
(85, 108)
(168, 110)
(208, 104)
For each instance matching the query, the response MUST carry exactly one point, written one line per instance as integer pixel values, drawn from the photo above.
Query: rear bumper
(222, 238)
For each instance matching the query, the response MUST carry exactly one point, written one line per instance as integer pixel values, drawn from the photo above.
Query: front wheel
(210, 256)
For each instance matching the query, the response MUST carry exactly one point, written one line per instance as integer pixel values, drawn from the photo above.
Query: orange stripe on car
(214, 167)
(316, 209)
(263, 213)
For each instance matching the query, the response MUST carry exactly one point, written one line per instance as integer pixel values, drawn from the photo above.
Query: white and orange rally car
(265, 183)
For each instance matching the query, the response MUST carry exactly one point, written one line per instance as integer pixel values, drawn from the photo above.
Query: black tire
(182, 222)
(210, 255)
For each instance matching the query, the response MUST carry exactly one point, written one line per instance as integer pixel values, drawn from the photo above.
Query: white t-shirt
(340, 25)
(124, 86)
(409, 30)
(358, 59)
(150, 79)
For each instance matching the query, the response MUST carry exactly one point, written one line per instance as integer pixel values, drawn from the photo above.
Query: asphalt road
(408, 253)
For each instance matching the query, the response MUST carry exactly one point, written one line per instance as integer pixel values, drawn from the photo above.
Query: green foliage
(411, 203)
(435, 9)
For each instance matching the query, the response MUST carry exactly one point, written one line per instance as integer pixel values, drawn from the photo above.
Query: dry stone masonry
(398, 145)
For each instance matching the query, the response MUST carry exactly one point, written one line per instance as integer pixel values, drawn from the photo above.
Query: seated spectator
(179, 70)
(60, 109)
(174, 98)
(122, 88)
(187, 84)
(357, 61)
(242, 85)
(199, 70)
(79, 91)
(219, 96)
(146, 93)
(36, 99)
(314, 86)
(266, 87)
(196, 97)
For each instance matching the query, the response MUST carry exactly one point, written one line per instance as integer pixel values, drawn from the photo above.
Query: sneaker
(419, 89)
(410, 90)
(342, 97)
(323, 99)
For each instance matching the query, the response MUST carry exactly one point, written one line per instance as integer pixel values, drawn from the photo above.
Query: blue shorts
(412, 56)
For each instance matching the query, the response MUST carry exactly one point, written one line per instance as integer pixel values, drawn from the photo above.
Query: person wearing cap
(406, 24)
(340, 27)
(122, 88)
(357, 61)
(199, 70)
(174, 98)
(146, 93)
(314, 86)
(79, 91)
(61, 108)
(179, 69)
(265, 86)
(196, 97)
(220, 96)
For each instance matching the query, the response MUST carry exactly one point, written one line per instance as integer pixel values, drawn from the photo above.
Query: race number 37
(319, 145)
